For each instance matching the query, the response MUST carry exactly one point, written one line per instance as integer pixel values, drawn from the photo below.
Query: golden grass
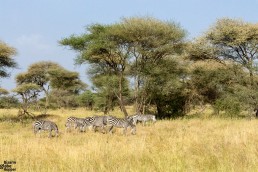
(176, 145)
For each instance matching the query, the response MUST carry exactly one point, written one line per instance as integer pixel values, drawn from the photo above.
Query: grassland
(169, 145)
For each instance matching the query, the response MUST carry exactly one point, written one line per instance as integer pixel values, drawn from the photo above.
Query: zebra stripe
(121, 123)
(74, 122)
(99, 121)
(142, 118)
(86, 122)
(45, 125)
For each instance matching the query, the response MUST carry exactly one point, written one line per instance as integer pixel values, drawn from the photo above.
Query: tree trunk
(251, 78)
(120, 96)
(250, 69)
(47, 101)
(137, 97)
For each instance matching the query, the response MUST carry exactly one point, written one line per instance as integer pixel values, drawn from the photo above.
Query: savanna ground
(197, 144)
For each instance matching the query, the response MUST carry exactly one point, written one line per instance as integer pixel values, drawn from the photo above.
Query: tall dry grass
(176, 145)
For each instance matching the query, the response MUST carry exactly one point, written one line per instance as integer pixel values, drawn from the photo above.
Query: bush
(8, 102)
(230, 104)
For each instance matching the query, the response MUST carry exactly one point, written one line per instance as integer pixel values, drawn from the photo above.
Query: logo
(8, 166)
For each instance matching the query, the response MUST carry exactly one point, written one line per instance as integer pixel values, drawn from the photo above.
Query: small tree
(38, 73)
(29, 93)
(49, 75)
(62, 98)
(86, 99)
(9, 102)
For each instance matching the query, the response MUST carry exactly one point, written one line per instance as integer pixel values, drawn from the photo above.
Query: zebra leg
(103, 130)
(83, 128)
(75, 126)
(125, 131)
(36, 131)
(39, 131)
(110, 130)
(50, 133)
(133, 130)
(68, 127)
(94, 128)
(56, 134)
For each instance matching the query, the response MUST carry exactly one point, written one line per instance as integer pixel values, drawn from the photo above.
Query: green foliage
(62, 98)
(49, 76)
(230, 104)
(107, 88)
(37, 73)
(27, 89)
(3, 91)
(28, 93)
(225, 87)
(65, 80)
(9, 102)
(6, 60)
(86, 99)
(229, 39)
(115, 50)
(165, 88)
(152, 39)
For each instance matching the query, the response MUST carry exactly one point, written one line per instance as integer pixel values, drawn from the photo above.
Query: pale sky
(34, 27)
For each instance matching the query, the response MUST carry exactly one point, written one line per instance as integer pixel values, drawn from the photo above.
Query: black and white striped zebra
(121, 123)
(74, 122)
(95, 121)
(85, 123)
(99, 121)
(45, 125)
(133, 118)
(142, 118)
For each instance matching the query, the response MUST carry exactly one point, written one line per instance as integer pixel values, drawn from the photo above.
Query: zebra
(133, 118)
(73, 122)
(95, 121)
(121, 123)
(142, 118)
(86, 122)
(99, 121)
(45, 125)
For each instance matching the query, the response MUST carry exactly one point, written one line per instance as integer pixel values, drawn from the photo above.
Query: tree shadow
(26, 119)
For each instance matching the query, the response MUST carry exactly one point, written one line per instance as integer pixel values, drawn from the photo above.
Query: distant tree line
(150, 64)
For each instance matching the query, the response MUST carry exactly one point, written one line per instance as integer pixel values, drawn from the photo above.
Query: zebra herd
(95, 122)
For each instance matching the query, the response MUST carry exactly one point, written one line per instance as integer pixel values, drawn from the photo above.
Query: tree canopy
(127, 46)
(6, 59)
(229, 39)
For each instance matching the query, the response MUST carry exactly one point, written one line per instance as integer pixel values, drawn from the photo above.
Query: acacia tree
(38, 73)
(229, 39)
(106, 87)
(150, 41)
(102, 48)
(6, 60)
(48, 74)
(29, 93)
(132, 42)
(65, 85)
(63, 79)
